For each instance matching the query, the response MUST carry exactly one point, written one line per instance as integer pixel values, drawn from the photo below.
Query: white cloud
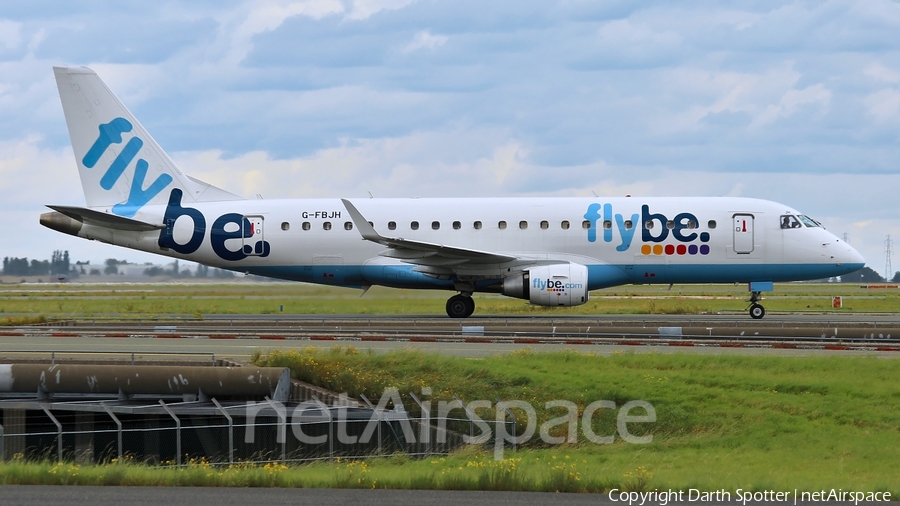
(883, 74)
(256, 17)
(420, 164)
(884, 105)
(791, 101)
(26, 169)
(363, 9)
(752, 93)
(425, 40)
(10, 34)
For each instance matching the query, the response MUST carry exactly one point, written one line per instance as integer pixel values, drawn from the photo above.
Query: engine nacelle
(550, 285)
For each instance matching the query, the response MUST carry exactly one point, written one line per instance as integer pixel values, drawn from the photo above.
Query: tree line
(57, 265)
(60, 265)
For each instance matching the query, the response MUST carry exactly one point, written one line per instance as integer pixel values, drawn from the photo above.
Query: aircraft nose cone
(851, 258)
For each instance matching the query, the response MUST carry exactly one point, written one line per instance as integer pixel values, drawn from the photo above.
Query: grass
(137, 300)
(528, 471)
(723, 422)
(11, 321)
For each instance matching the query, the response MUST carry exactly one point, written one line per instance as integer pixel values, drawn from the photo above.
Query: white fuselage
(689, 240)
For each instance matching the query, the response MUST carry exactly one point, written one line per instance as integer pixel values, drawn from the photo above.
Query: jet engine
(550, 285)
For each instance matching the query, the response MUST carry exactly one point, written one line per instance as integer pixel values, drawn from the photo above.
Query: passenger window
(392, 225)
(564, 225)
(457, 225)
(348, 225)
(628, 224)
(523, 225)
(414, 225)
(691, 224)
(607, 225)
(545, 225)
(435, 225)
(502, 225)
(305, 225)
(586, 224)
(711, 224)
(477, 225)
(648, 224)
(285, 226)
(326, 225)
(670, 224)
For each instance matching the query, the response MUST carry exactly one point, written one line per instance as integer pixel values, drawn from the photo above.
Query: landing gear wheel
(757, 311)
(460, 306)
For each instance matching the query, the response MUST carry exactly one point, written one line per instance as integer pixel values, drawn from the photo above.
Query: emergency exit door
(254, 243)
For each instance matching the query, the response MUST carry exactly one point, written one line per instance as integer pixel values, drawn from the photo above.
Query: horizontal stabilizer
(89, 216)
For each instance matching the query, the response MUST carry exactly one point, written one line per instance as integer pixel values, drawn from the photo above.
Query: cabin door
(743, 233)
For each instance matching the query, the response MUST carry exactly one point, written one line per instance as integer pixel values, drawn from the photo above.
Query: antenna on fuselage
(370, 195)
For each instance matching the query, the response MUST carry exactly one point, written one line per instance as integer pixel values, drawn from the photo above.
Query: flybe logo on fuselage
(656, 228)
(138, 197)
(225, 227)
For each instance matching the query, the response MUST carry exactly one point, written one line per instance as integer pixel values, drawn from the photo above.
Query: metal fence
(179, 433)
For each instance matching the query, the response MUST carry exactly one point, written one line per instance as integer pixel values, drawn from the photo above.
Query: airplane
(548, 251)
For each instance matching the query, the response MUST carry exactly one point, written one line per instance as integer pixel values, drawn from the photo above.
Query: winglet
(367, 231)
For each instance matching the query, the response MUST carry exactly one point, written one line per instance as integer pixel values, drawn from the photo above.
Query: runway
(224, 496)
(237, 336)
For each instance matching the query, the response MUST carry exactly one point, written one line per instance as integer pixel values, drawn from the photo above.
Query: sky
(796, 102)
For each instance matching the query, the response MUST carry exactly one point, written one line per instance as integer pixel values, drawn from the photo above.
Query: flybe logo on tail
(138, 197)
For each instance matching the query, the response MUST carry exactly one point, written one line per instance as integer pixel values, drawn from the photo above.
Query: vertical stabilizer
(121, 166)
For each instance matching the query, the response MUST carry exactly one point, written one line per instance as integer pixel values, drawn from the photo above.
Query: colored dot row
(671, 249)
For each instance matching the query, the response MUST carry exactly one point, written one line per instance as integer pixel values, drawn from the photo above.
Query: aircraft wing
(424, 253)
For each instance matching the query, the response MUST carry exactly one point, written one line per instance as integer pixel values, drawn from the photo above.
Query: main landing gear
(756, 309)
(461, 306)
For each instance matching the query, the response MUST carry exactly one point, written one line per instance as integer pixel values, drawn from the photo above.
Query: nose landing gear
(460, 306)
(757, 311)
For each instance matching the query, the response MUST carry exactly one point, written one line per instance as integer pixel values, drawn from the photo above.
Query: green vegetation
(756, 423)
(471, 470)
(141, 300)
(722, 421)
(10, 321)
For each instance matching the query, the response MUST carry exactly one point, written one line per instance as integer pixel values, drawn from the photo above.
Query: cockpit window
(809, 222)
(789, 221)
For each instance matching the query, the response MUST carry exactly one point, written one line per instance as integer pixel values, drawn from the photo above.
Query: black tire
(757, 311)
(470, 306)
(460, 306)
